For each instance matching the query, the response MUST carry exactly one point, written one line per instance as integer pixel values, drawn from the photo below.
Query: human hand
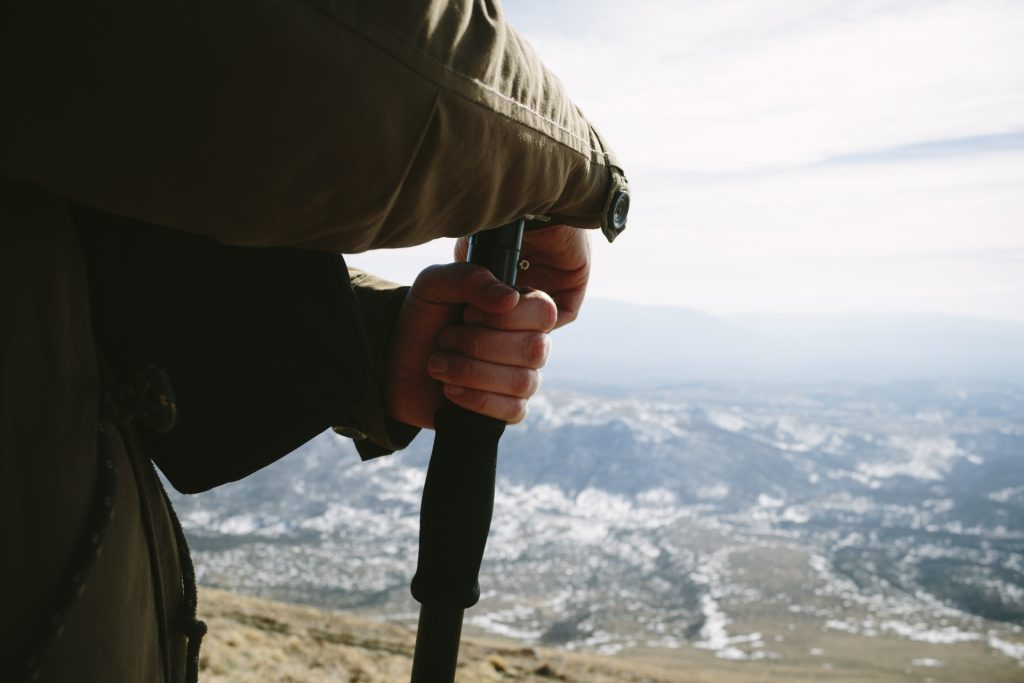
(463, 335)
(559, 258)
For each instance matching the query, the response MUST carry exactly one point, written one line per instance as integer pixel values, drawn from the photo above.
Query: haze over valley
(751, 524)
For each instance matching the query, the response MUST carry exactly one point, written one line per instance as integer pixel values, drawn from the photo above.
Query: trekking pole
(458, 499)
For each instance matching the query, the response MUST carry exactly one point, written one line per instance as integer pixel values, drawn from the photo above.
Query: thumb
(462, 249)
(464, 283)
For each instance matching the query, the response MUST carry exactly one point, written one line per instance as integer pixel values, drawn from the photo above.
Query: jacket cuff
(366, 422)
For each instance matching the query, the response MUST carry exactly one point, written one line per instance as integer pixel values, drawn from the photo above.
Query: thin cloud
(956, 147)
(713, 86)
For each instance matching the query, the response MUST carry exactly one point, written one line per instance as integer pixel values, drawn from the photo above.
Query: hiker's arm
(329, 125)
(276, 122)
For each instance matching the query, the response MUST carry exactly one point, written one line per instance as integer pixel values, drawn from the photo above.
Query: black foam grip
(458, 499)
(458, 495)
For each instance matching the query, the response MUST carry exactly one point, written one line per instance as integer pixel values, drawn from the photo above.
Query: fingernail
(438, 364)
(473, 316)
(499, 290)
(452, 390)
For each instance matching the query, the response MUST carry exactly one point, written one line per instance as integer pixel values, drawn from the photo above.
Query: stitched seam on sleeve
(509, 98)
(338, 13)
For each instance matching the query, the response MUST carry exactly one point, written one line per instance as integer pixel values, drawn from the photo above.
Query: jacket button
(350, 433)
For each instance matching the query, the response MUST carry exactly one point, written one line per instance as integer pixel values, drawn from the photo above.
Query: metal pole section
(437, 643)
(458, 500)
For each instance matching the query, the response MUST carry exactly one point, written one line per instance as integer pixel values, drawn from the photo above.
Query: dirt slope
(253, 640)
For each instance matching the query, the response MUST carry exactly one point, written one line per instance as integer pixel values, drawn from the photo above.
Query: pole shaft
(437, 644)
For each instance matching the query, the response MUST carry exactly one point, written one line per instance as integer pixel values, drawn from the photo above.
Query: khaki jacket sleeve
(367, 423)
(341, 126)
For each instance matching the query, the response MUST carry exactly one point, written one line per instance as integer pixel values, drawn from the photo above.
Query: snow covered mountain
(745, 521)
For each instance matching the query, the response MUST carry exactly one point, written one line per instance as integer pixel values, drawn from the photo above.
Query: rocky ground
(253, 640)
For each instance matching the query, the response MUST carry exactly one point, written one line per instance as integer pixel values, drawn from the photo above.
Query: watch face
(620, 210)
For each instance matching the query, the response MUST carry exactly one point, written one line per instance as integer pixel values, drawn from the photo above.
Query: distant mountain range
(620, 344)
(805, 525)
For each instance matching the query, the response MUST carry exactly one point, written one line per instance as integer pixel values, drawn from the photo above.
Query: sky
(797, 156)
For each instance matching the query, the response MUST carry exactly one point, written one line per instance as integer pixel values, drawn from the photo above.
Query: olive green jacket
(319, 127)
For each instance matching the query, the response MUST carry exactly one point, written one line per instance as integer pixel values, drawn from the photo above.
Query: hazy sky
(796, 155)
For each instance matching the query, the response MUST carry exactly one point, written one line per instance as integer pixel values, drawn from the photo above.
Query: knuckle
(519, 412)
(483, 403)
(459, 275)
(426, 276)
(474, 374)
(538, 348)
(548, 313)
(472, 345)
(474, 275)
(525, 383)
(433, 270)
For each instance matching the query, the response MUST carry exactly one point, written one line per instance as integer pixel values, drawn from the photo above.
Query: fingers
(463, 283)
(522, 349)
(483, 376)
(492, 389)
(535, 311)
(489, 366)
(505, 408)
(560, 258)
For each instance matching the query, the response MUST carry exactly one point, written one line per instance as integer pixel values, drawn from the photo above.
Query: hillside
(254, 640)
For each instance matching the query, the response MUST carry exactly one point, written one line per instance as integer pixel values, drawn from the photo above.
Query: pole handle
(458, 499)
